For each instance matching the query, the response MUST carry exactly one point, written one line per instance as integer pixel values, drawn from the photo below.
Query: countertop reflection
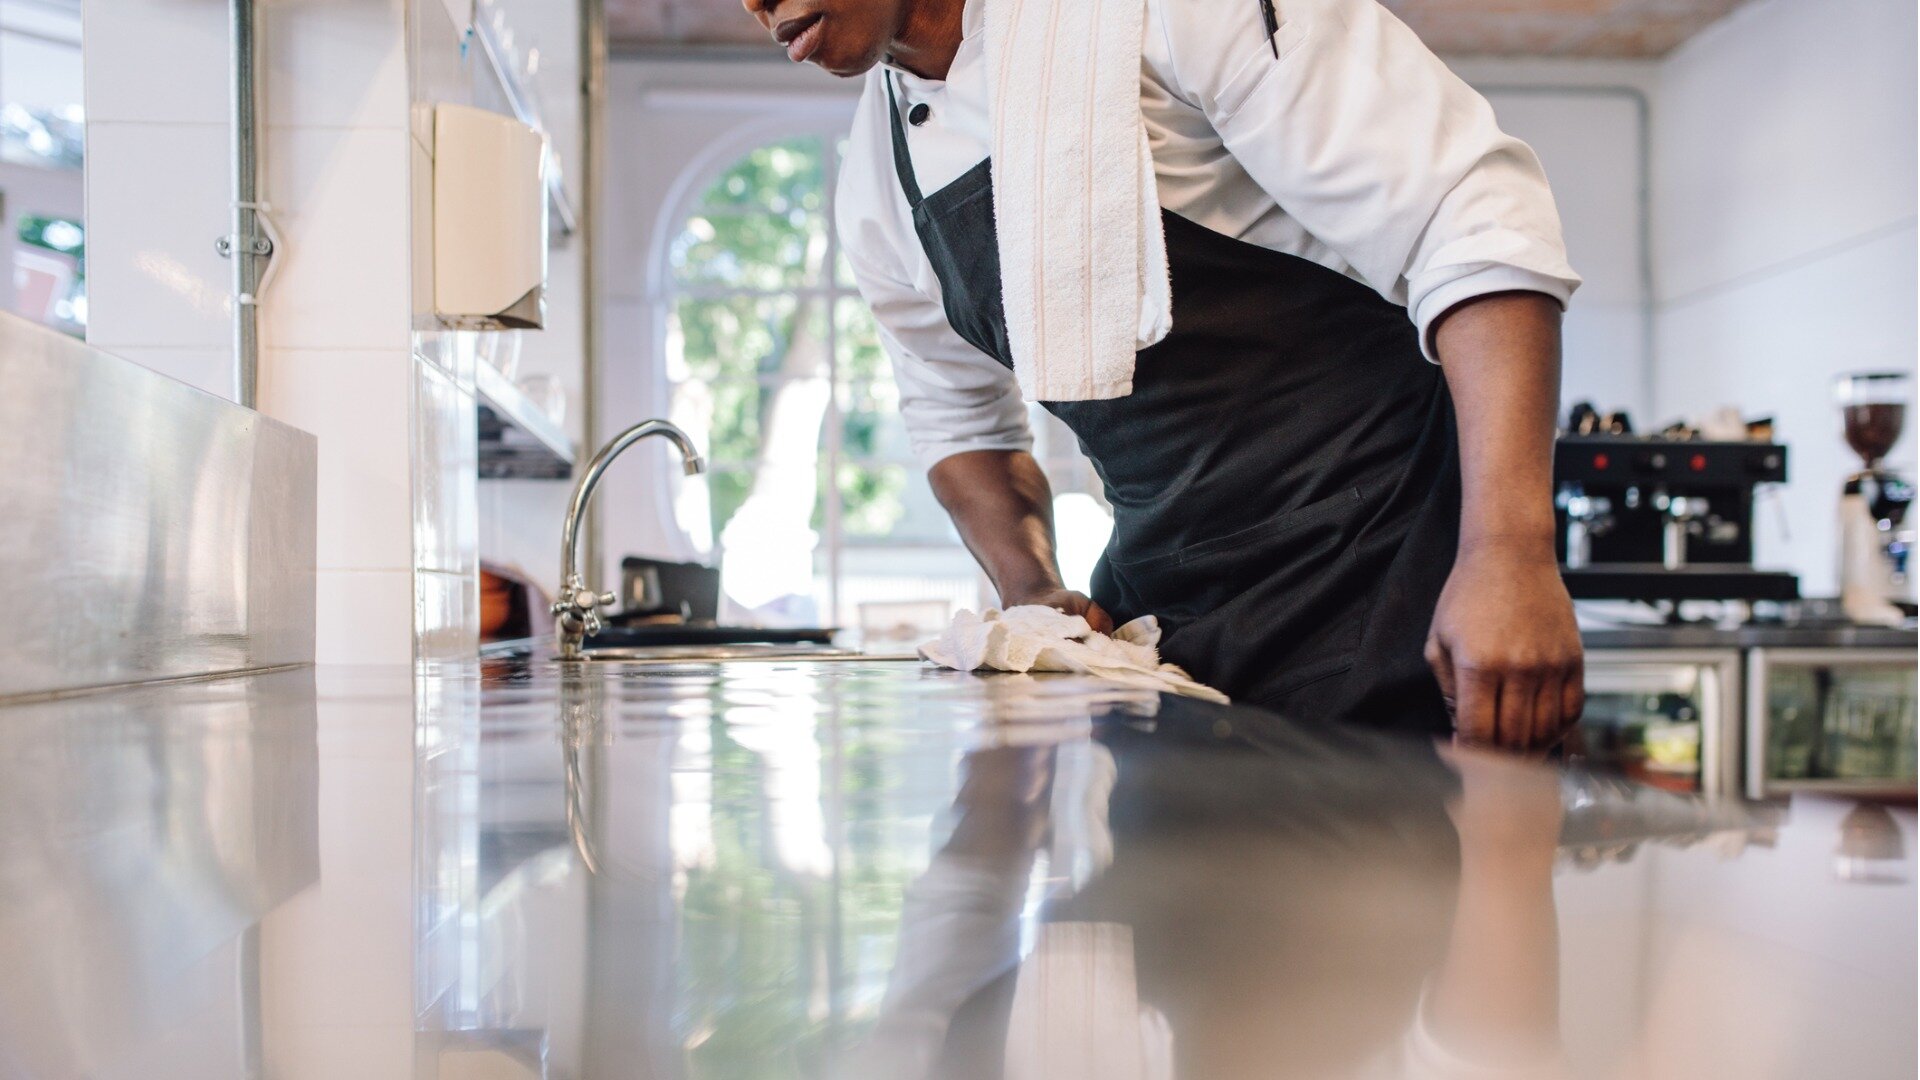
(854, 869)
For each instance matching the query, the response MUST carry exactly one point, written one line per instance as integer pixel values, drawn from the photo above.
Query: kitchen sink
(652, 635)
(681, 654)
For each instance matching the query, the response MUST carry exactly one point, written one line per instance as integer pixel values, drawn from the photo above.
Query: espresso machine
(1876, 537)
(1662, 518)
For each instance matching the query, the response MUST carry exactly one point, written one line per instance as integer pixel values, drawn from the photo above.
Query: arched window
(813, 504)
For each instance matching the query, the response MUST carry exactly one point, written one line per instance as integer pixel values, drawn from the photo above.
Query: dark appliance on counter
(670, 604)
(1656, 518)
(658, 588)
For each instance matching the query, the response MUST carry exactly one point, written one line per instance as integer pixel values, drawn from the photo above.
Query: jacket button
(918, 114)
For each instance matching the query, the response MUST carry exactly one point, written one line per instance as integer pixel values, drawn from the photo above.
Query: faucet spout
(577, 610)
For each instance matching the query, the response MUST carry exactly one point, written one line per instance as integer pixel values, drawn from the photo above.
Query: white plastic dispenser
(489, 220)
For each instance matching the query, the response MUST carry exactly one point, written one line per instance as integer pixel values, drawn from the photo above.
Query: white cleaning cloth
(1074, 195)
(1035, 638)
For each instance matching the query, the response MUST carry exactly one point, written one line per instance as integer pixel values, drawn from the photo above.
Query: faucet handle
(578, 608)
(580, 598)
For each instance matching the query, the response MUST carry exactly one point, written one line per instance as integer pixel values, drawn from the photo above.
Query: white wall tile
(445, 466)
(340, 198)
(156, 61)
(208, 369)
(358, 405)
(446, 616)
(364, 616)
(157, 201)
(341, 63)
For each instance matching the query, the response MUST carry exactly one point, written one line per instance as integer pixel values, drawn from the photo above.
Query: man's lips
(801, 36)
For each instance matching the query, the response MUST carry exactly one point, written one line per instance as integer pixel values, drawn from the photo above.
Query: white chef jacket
(1356, 149)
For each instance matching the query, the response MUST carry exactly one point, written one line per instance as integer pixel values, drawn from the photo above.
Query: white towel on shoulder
(1075, 202)
(1035, 638)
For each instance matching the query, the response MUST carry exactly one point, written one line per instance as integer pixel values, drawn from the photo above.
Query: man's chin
(844, 67)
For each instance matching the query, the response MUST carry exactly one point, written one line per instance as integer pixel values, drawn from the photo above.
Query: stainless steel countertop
(880, 869)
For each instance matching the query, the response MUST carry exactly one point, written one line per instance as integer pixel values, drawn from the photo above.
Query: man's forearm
(1002, 505)
(1506, 395)
(1504, 643)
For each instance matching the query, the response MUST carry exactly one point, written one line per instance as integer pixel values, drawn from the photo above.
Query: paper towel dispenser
(489, 220)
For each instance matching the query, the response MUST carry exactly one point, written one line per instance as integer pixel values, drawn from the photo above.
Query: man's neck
(926, 45)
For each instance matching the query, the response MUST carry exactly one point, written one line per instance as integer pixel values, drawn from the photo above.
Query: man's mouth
(801, 36)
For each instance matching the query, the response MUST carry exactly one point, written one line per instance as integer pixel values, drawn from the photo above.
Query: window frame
(831, 123)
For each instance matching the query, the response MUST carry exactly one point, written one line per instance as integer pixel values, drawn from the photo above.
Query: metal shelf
(1863, 788)
(517, 440)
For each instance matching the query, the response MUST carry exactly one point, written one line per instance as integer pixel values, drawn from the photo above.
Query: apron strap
(902, 160)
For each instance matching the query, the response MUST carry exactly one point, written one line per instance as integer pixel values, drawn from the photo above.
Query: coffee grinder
(1876, 538)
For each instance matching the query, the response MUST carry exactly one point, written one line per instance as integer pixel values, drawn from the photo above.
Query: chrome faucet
(576, 614)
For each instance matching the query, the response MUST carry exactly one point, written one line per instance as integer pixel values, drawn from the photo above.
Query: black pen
(1273, 26)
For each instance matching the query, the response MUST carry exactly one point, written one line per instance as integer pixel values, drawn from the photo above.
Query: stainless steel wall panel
(148, 530)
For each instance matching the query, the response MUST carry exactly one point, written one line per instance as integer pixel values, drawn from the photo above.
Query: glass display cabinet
(1668, 718)
(1830, 720)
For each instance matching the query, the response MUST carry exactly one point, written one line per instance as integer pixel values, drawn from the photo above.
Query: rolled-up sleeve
(953, 397)
(1375, 147)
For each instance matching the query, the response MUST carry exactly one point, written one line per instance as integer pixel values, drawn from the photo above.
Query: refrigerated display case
(1830, 720)
(1665, 717)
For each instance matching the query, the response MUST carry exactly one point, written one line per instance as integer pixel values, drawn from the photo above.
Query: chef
(1328, 445)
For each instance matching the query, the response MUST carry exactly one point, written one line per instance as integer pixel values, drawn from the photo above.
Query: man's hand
(1000, 502)
(1506, 650)
(1063, 599)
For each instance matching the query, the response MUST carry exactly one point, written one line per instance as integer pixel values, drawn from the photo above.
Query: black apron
(1284, 477)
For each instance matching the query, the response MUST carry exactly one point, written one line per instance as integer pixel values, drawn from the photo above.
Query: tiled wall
(341, 159)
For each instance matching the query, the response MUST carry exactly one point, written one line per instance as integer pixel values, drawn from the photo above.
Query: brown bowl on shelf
(509, 603)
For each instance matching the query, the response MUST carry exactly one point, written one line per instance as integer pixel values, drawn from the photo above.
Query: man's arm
(1495, 1000)
(1002, 505)
(1504, 643)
